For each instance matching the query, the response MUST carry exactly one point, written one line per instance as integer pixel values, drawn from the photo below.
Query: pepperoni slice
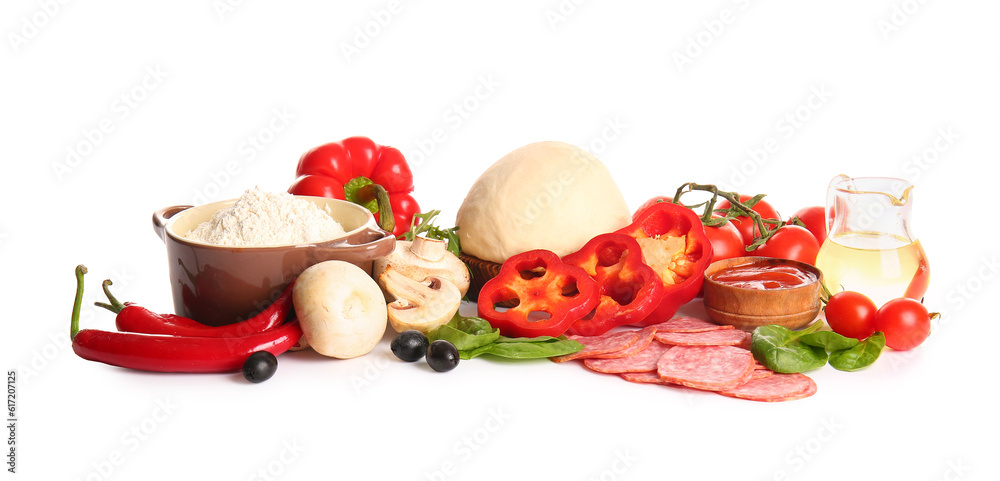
(646, 336)
(597, 345)
(689, 324)
(774, 388)
(712, 368)
(720, 337)
(643, 377)
(643, 361)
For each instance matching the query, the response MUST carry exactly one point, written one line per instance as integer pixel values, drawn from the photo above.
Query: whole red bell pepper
(674, 244)
(354, 169)
(541, 283)
(628, 289)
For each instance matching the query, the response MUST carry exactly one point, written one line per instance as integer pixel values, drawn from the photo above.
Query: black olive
(442, 356)
(410, 345)
(260, 366)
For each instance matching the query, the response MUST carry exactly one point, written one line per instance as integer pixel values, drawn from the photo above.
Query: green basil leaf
(829, 340)
(864, 354)
(528, 350)
(463, 341)
(472, 325)
(531, 339)
(780, 350)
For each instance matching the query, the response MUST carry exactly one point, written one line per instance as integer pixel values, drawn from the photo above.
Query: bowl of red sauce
(747, 292)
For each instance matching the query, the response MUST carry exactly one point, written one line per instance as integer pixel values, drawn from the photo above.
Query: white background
(663, 94)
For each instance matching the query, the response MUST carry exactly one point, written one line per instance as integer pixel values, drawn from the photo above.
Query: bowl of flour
(229, 260)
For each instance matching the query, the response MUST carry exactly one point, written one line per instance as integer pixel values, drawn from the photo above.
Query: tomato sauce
(770, 276)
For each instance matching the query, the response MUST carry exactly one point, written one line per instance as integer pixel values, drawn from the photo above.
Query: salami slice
(689, 324)
(774, 388)
(720, 337)
(760, 374)
(643, 377)
(712, 368)
(642, 361)
(748, 342)
(597, 345)
(646, 336)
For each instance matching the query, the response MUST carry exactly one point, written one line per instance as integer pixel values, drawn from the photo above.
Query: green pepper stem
(385, 219)
(74, 323)
(362, 191)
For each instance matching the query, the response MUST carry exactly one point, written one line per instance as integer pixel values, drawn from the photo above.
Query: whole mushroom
(340, 308)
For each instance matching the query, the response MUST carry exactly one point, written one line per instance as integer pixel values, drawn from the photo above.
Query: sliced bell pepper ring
(674, 244)
(541, 283)
(350, 170)
(628, 289)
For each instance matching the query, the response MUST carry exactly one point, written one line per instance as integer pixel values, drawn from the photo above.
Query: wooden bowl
(746, 308)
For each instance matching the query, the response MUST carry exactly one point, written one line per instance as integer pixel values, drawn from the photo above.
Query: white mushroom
(421, 305)
(340, 308)
(422, 258)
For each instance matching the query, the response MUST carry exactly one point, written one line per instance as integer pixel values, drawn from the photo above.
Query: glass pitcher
(869, 246)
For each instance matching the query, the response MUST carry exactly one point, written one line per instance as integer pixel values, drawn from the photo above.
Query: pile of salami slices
(693, 353)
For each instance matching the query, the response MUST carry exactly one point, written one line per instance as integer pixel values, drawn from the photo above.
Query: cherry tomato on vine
(744, 223)
(905, 322)
(790, 242)
(815, 220)
(851, 314)
(727, 242)
(645, 205)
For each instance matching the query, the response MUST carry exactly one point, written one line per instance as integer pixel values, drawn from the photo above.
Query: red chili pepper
(133, 318)
(629, 289)
(675, 245)
(357, 169)
(173, 353)
(541, 283)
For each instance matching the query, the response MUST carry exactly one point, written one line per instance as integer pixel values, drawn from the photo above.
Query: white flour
(259, 218)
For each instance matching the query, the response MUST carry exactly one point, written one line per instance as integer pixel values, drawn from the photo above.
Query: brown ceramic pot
(219, 285)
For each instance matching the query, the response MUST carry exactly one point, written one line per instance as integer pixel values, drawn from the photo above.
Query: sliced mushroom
(422, 258)
(421, 305)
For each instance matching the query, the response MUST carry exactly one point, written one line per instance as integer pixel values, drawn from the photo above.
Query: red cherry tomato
(743, 223)
(851, 314)
(790, 242)
(905, 323)
(727, 242)
(815, 220)
(645, 205)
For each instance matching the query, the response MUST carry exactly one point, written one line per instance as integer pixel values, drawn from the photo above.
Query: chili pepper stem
(115, 306)
(106, 306)
(74, 323)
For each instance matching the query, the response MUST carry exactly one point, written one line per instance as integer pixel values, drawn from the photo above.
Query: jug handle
(831, 199)
(161, 216)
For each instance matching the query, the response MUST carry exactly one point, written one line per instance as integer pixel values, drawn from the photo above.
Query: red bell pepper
(675, 245)
(541, 283)
(628, 289)
(354, 169)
